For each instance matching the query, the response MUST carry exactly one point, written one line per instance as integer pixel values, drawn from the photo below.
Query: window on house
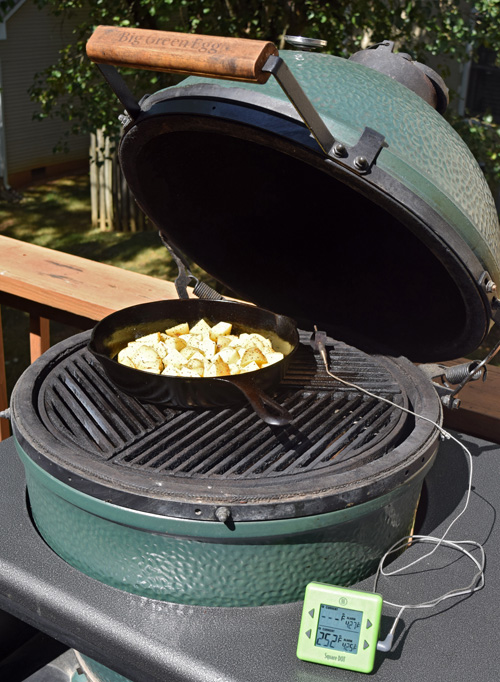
(483, 91)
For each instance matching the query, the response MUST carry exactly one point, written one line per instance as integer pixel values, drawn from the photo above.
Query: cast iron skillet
(113, 333)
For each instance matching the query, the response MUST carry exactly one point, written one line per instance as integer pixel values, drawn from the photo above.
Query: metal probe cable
(478, 580)
(320, 346)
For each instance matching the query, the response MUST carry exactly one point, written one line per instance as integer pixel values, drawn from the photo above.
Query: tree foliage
(72, 89)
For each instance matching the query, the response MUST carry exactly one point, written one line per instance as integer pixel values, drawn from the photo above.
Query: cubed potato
(192, 339)
(253, 355)
(155, 337)
(208, 347)
(254, 341)
(188, 352)
(224, 341)
(186, 372)
(178, 329)
(175, 342)
(127, 361)
(220, 329)
(202, 327)
(176, 358)
(171, 371)
(261, 341)
(126, 354)
(210, 370)
(197, 366)
(148, 360)
(159, 347)
(222, 367)
(229, 355)
(273, 357)
(251, 367)
(236, 342)
(135, 345)
(217, 368)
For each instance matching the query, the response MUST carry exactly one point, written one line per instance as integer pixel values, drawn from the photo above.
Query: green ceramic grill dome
(395, 259)
(423, 150)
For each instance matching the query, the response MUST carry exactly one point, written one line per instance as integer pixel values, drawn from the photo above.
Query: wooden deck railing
(51, 285)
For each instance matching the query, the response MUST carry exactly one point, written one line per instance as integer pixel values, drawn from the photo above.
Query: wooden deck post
(39, 336)
(4, 423)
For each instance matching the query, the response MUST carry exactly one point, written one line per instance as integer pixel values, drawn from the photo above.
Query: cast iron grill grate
(341, 448)
(332, 425)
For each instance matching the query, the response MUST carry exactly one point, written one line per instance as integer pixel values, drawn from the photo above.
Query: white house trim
(3, 23)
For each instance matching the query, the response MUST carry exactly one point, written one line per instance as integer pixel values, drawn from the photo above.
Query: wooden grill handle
(236, 59)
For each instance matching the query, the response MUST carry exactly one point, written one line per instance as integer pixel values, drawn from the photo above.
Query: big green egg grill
(333, 194)
(213, 506)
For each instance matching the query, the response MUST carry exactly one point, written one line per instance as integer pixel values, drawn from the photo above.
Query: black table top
(149, 641)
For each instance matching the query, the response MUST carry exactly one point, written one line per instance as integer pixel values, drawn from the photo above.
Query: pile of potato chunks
(202, 351)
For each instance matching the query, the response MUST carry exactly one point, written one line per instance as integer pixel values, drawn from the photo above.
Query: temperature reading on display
(338, 628)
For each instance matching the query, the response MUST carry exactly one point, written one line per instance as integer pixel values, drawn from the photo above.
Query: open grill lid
(378, 227)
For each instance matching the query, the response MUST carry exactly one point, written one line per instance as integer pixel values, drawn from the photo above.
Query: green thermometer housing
(339, 627)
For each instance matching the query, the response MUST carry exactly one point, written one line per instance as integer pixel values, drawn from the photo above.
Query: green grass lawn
(56, 215)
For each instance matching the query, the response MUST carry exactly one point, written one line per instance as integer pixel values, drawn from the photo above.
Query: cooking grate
(74, 423)
(331, 426)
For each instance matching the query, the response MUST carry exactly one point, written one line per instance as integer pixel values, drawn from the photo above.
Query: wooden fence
(113, 206)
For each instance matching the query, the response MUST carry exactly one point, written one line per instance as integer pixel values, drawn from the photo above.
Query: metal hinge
(453, 379)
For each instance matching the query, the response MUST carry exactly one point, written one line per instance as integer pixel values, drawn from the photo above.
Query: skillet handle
(264, 406)
(236, 59)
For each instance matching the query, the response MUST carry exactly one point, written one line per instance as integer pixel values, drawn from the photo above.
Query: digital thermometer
(339, 627)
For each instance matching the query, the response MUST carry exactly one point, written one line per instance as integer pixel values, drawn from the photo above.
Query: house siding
(33, 39)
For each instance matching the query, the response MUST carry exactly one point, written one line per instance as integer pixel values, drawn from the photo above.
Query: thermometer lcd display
(338, 628)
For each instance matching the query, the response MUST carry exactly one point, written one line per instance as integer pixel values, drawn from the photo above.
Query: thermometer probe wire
(477, 581)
